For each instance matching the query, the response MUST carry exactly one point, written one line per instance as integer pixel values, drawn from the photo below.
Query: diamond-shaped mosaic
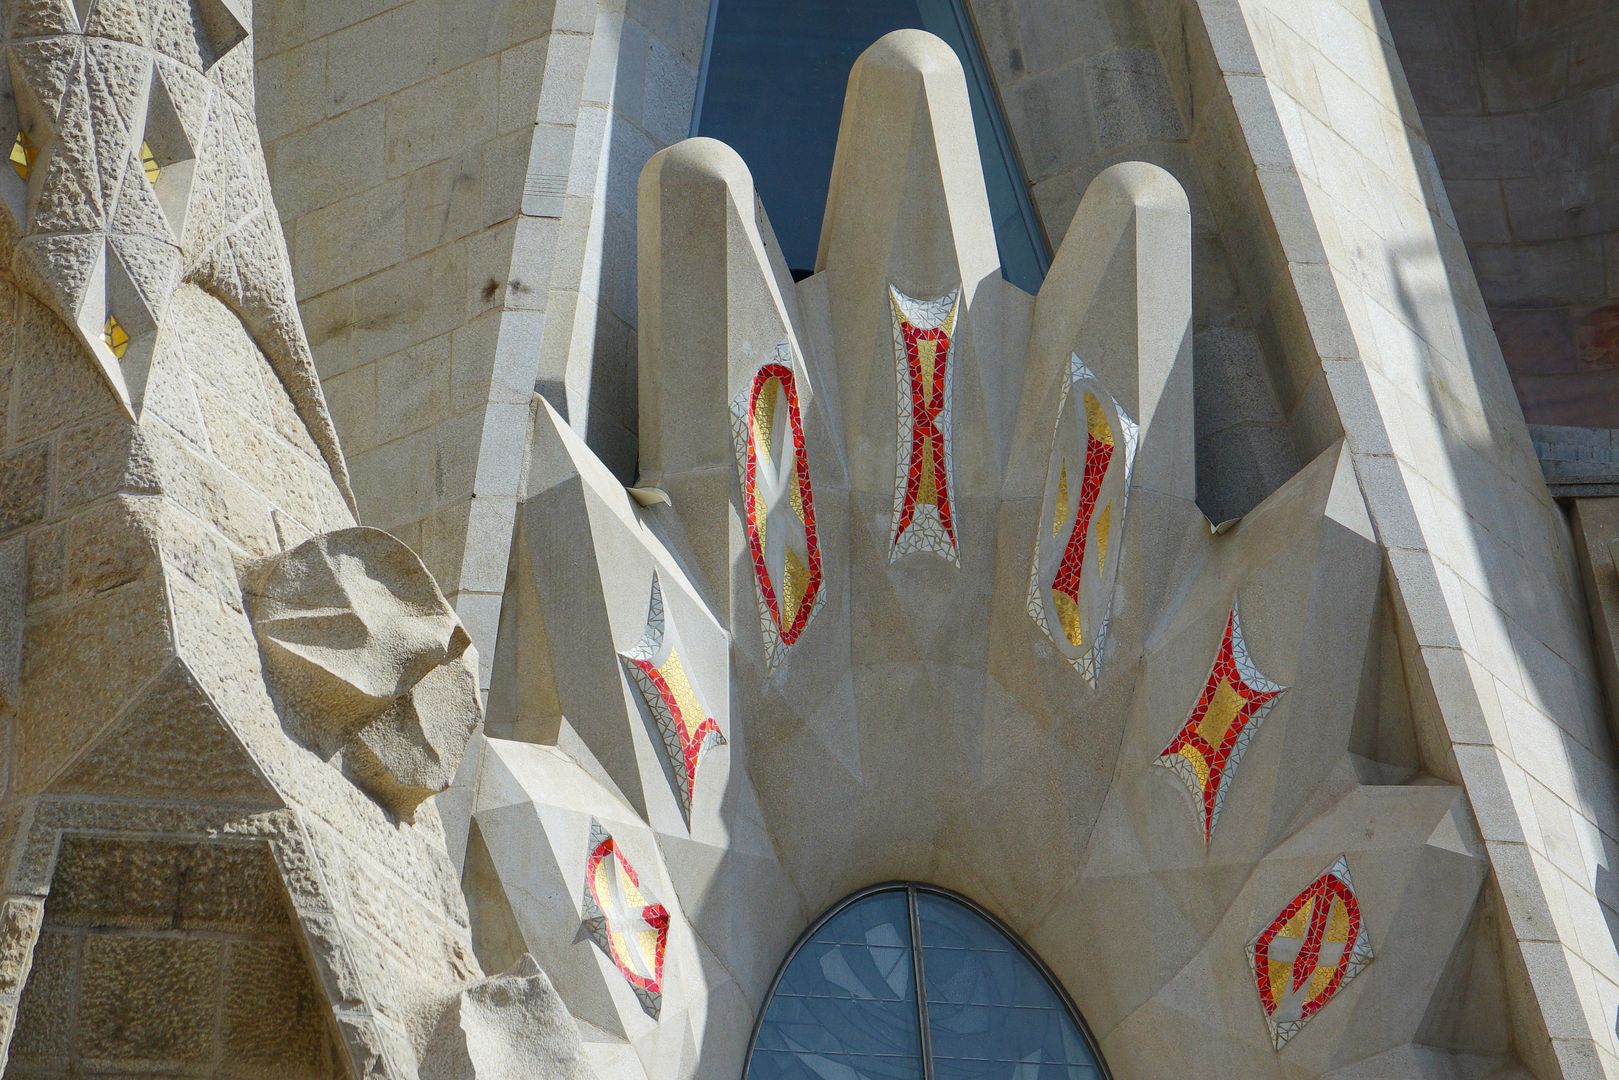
(658, 671)
(1309, 952)
(1234, 702)
(627, 924)
(1076, 558)
(778, 503)
(924, 485)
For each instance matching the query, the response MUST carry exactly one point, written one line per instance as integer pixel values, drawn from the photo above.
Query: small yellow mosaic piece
(1221, 714)
(1319, 979)
(1200, 764)
(928, 492)
(1096, 420)
(927, 359)
(795, 584)
(116, 338)
(1059, 516)
(1338, 922)
(680, 688)
(149, 163)
(795, 490)
(23, 154)
(1104, 530)
(1068, 617)
(1280, 974)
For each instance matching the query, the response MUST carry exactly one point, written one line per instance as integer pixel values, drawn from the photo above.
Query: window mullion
(921, 985)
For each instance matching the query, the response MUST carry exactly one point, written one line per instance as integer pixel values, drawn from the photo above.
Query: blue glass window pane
(773, 89)
(991, 1012)
(845, 1008)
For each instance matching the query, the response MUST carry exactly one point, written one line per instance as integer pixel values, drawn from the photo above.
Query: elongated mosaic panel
(1076, 555)
(778, 503)
(684, 726)
(628, 925)
(1234, 702)
(1309, 952)
(924, 488)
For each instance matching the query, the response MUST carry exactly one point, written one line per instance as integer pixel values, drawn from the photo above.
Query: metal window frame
(913, 889)
(977, 71)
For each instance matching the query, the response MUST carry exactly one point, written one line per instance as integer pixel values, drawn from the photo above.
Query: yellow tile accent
(1297, 925)
(1104, 531)
(1096, 420)
(927, 492)
(117, 339)
(1338, 921)
(1068, 617)
(1319, 980)
(795, 583)
(23, 154)
(1059, 515)
(795, 492)
(1280, 974)
(1200, 765)
(149, 163)
(1221, 712)
(927, 360)
(680, 688)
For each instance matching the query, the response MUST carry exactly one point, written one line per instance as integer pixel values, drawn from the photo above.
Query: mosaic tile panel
(684, 726)
(1309, 952)
(924, 364)
(1076, 566)
(778, 503)
(1234, 702)
(628, 925)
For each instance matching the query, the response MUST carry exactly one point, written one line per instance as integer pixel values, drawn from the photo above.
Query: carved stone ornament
(371, 660)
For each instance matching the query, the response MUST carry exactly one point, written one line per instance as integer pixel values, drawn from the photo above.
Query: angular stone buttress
(930, 598)
(223, 703)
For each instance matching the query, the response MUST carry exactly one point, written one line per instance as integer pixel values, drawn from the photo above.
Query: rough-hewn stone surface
(369, 656)
(222, 894)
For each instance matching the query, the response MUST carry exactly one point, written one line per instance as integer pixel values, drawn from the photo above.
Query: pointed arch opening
(911, 982)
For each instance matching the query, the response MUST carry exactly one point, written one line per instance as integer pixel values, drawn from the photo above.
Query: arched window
(772, 88)
(906, 982)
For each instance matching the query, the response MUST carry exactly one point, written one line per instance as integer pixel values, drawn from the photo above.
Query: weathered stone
(20, 921)
(512, 1026)
(23, 488)
(366, 648)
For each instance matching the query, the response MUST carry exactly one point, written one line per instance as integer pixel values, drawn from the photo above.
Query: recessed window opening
(909, 982)
(772, 87)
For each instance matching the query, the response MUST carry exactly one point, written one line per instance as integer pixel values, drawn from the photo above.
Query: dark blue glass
(992, 1015)
(773, 86)
(845, 1008)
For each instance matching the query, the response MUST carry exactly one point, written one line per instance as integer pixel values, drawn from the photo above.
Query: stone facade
(1520, 102)
(469, 615)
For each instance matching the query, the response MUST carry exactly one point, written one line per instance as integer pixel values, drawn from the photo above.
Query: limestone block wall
(1520, 102)
(453, 177)
(1389, 320)
(398, 137)
(156, 956)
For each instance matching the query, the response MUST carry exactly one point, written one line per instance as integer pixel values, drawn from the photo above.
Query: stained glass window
(909, 983)
(772, 88)
(23, 154)
(115, 337)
